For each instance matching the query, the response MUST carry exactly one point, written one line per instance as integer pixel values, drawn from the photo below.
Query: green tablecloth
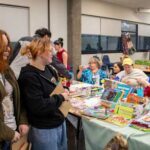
(98, 133)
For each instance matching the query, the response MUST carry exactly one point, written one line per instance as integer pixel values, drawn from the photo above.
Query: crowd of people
(29, 74)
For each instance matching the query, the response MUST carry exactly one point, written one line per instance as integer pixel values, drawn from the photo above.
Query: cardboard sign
(65, 106)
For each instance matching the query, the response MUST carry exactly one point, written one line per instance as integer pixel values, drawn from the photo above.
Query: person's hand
(65, 95)
(23, 129)
(81, 67)
(142, 82)
(16, 137)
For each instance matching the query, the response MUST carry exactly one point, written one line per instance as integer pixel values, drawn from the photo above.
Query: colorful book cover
(126, 88)
(112, 84)
(140, 128)
(145, 119)
(118, 120)
(112, 95)
(132, 98)
(124, 111)
(143, 123)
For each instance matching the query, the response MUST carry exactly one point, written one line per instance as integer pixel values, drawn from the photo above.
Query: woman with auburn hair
(93, 72)
(37, 81)
(12, 117)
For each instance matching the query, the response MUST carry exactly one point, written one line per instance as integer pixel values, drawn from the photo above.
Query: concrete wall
(101, 9)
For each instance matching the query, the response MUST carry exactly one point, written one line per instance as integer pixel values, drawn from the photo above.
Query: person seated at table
(132, 76)
(89, 74)
(117, 67)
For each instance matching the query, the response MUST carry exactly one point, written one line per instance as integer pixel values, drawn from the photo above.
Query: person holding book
(37, 81)
(132, 76)
(93, 74)
(13, 121)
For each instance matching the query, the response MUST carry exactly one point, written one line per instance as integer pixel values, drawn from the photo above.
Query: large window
(109, 43)
(103, 35)
(143, 43)
(131, 28)
(95, 43)
(90, 43)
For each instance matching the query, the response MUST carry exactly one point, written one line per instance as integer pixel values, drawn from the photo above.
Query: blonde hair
(96, 60)
(37, 45)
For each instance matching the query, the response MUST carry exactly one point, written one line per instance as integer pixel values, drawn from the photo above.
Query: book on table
(112, 95)
(112, 84)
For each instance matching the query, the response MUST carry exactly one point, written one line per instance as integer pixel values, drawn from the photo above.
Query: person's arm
(79, 74)
(6, 133)
(60, 67)
(65, 58)
(33, 96)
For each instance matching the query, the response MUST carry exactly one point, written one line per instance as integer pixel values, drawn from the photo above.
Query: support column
(74, 33)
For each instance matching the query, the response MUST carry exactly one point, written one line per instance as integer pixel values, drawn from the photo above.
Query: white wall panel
(110, 27)
(90, 25)
(38, 14)
(143, 30)
(15, 21)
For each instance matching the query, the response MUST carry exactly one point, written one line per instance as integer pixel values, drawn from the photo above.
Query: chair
(106, 62)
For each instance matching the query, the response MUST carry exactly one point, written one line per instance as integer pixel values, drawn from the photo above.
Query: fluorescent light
(143, 10)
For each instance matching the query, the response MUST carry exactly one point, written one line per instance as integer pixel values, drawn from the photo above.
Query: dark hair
(96, 57)
(119, 64)
(59, 42)
(42, 32)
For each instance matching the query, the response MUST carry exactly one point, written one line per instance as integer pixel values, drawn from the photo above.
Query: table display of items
(115, 103)
(84, 89)
(142, 64)
(143, 122)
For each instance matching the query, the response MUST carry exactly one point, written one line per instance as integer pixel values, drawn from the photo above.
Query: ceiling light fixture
(143, 10)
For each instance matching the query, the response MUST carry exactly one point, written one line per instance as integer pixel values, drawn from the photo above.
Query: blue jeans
(48, 139)
(6, 145)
